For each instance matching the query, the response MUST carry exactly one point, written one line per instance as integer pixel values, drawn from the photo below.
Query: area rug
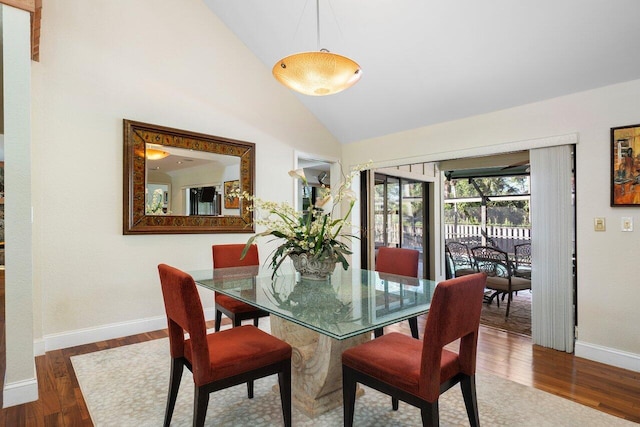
(519, 320)
(127, 386)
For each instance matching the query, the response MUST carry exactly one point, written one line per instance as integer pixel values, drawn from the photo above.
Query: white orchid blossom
(156, 205)
(349, 195)
(298, 174)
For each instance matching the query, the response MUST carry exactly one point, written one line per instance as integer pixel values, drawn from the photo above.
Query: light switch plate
(599, 224)
(627, 223)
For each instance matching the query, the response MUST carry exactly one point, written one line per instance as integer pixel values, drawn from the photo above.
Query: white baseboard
(20, 392)
(104, 332)
(609, 356)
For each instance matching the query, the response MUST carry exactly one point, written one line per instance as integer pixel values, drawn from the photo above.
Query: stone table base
(316, 366)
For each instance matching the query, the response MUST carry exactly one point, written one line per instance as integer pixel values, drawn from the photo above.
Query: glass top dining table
(349, 303)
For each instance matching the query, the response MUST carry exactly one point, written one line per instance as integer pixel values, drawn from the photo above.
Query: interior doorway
(487, 213)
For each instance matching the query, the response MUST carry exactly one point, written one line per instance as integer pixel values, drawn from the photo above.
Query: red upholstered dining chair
(417, 372)
(402, 262)
(218, 360)
(225, 256)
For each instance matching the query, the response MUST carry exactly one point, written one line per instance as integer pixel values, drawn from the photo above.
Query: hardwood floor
(612, 390)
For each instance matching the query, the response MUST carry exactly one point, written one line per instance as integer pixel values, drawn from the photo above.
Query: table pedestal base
(316, 366)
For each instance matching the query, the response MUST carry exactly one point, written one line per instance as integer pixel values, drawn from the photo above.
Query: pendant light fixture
(152, 152)
(317, 73)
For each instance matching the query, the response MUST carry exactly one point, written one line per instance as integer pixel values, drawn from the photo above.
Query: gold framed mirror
(176, 181)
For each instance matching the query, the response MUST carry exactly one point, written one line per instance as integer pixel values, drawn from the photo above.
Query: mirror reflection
(185, 182)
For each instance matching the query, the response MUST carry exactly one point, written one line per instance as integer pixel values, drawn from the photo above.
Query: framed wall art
(230, 188)
(625, 166)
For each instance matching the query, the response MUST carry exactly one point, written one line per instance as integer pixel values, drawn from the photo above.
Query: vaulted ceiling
(430, 61)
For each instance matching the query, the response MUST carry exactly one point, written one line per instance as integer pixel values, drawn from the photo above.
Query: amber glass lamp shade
(152, 153)
(317, 73)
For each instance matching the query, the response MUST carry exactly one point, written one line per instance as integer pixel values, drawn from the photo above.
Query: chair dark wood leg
(378, 332)
(284, 381)
(218, 320)
(256, 320)
(200, 404)
(508, 305)
(395, 403)
(468, 386)
(430, 414)
(177, 366)
(413, 325)
(348, 396)
(250, 389)
(236, 321)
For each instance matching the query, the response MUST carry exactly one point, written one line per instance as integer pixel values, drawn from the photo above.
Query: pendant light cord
(318, 22)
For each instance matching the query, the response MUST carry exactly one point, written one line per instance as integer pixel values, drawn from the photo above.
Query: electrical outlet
(627, 223)
(599, 224)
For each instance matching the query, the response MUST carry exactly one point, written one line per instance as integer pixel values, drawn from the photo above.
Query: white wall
(608, 267)
(169, 62)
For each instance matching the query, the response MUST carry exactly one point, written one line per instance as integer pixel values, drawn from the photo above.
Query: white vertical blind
(552, 221)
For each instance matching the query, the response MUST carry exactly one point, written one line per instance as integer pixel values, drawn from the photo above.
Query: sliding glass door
(400, 215)
(386, 211)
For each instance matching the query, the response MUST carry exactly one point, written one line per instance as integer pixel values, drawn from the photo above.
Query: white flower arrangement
(314, 232)
(155, 207)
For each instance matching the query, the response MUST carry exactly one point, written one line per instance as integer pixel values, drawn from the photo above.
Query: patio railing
(504, 238)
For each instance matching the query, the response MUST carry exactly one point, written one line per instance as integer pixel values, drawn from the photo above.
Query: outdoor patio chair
(523, 260)
(500, 278)
(461, 259)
